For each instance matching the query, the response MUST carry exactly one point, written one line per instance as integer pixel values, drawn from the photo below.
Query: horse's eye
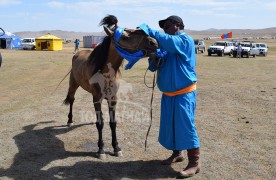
(125, 38)
(152, 43)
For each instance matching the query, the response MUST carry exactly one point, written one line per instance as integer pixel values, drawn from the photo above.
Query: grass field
(236, 112)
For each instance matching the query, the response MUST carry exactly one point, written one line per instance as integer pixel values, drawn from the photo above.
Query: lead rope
(151, 101)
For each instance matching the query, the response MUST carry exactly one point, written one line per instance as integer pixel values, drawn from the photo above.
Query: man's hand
(145, 28)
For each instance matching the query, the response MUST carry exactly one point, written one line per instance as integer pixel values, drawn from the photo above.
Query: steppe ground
(235, 118)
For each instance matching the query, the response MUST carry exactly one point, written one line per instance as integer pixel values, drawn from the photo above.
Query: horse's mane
(99, 55)
(110, 21)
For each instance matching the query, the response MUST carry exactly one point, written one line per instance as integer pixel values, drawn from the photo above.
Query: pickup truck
(221, 48)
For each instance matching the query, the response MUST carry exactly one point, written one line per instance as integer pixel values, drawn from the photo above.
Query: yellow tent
(48, 42)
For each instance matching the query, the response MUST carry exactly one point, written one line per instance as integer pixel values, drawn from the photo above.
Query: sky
(84, 16)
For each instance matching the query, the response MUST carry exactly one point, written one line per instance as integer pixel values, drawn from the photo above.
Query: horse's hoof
(118, 154)
(70, 124)
(101, 156)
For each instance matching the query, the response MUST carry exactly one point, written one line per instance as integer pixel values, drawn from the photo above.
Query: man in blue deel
(177, 80)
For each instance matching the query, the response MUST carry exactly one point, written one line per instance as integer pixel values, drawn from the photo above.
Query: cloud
(271, 6)
(8, 2)
(179, 2)
(55, 4)
(214, 12)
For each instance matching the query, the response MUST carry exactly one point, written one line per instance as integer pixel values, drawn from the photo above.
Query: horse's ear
(108, 31)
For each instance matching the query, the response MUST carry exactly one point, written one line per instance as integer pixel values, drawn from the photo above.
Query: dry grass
(235, 121)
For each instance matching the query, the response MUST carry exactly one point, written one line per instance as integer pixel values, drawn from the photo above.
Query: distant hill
(237, 33)
(59, 33)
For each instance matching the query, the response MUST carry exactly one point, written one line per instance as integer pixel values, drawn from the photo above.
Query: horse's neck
(114, 59)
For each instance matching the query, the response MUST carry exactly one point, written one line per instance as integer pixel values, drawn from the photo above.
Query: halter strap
(118, 33)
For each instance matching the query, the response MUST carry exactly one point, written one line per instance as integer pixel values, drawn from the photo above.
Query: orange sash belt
(185, 90)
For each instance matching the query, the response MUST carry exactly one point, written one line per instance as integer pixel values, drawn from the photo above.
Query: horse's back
(81, 56)
(81, 70)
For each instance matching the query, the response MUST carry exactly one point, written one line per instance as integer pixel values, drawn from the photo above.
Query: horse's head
(130, 40)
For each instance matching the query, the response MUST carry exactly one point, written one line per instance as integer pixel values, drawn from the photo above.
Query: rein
(151, 100)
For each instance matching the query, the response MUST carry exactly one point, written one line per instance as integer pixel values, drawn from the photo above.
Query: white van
(28, 43)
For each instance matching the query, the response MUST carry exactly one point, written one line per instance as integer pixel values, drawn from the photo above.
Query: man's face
(170, 27)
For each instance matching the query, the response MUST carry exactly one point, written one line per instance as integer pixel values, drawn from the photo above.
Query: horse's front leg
(113, 124)
(100, 125)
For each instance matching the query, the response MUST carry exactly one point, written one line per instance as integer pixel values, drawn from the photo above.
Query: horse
(98, 73)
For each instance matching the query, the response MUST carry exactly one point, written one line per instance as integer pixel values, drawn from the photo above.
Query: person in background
(77, 42)
(239, 50)
(177, 80)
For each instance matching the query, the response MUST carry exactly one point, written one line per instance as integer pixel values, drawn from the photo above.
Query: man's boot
(193, 166)
(175, 157)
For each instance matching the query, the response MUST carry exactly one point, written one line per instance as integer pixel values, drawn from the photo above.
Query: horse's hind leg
(70, 98)
(113, 124)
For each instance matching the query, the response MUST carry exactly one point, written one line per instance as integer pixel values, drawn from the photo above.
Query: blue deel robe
(176, 71)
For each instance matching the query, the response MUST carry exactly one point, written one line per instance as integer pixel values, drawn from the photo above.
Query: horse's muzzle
(153, 44)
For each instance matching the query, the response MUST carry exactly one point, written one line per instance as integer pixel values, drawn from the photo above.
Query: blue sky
(84, 16)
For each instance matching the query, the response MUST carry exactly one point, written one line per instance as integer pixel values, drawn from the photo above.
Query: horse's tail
(62, 80)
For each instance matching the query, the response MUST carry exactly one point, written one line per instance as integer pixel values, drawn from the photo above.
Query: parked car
(221, 48)
(261, 48)
(199, 46)
(28, 43)
(247, 50)
(66, 41)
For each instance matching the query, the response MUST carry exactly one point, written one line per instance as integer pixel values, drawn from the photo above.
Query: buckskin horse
(98, 73)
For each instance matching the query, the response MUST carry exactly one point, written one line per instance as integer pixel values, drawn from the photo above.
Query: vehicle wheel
(196, 50)
(209, 54)
(247, 55)
(33, 48)
(254, 56)
(231, 53)
(221, 53)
